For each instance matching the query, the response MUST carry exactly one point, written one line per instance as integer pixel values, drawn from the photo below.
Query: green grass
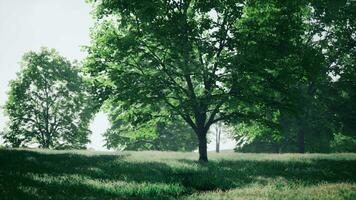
(39, 174)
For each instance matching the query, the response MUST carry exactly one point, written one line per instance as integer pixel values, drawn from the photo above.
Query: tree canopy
(48, 103)
(206, 61)
(336, 24)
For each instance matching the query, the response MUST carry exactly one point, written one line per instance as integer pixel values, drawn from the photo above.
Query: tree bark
(203, 149)
(278, 148)
(45, 145)
(46, 141)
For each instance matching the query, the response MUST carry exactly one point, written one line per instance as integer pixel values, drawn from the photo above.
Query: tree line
(282, 73)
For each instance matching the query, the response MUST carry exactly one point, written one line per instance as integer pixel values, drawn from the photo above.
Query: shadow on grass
(32, 175)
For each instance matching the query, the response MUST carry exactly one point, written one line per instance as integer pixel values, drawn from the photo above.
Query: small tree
(48, 103)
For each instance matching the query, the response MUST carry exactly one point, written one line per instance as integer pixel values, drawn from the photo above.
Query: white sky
(27, 25)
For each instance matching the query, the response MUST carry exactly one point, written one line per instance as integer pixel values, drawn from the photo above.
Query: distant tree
(220, 132)
(218, 129)
(206, 61)
(48, 103)
(257, 137)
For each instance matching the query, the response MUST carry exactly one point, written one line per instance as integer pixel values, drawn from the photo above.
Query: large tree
(206, 61)
(326, 89)
(48, 103)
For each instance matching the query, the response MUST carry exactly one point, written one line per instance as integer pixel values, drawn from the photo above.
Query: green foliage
(146, 129)
(172, 135)
(323, 98)
(206, 61)
(336, 21)
(256, 138)
(343, 143)
(48, 103)
(37, 175)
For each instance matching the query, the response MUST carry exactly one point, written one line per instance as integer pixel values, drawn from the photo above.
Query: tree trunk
(301, 141)
(203, 149)
(46, 140)
(45, 145)
(218, 133)
(276, 148)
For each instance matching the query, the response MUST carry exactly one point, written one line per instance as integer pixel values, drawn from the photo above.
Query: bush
(343, 143)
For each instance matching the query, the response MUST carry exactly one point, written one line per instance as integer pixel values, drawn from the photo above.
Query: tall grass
(44, 174)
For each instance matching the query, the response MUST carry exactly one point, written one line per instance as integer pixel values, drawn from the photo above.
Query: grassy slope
(169, 175)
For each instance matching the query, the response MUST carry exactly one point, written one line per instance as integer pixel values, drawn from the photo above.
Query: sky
(27, 25)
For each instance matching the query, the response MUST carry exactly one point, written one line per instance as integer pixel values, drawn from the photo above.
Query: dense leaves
(337, 24)
(324, 98)
(134, 129)
(48, 103)
(206, 61)
(162, 136)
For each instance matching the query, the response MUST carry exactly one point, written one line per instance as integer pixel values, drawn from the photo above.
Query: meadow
(47, 174)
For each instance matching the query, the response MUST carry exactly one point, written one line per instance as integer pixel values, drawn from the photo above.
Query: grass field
(39, 174)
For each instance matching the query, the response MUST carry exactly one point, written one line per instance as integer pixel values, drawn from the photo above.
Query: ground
(45, 174)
